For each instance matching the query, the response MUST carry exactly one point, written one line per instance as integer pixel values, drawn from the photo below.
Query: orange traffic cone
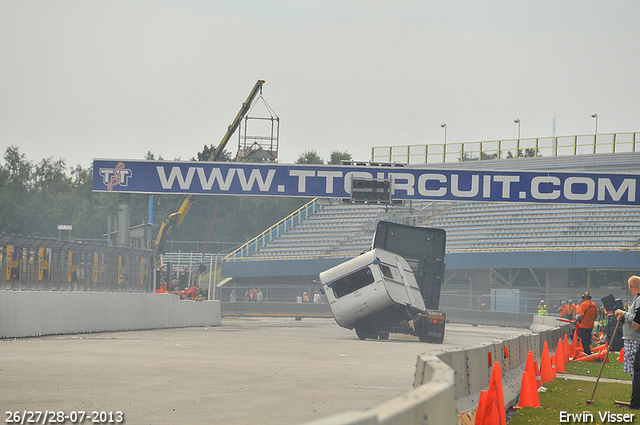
(546, 373)
(600, 348)
(581, 355)
(565, 349)
(538, 378)
(621, 356)
(495, 411)
(482, 405)
(595, 357)
(559, 356)
(526, 396)
(574, 344)
(531, 368)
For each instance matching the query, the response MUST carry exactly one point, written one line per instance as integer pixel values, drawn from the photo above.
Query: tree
(206, 152)
(337, 157)
(310, 157)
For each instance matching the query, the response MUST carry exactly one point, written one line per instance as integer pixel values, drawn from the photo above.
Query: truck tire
(432, 339)
(361, 334)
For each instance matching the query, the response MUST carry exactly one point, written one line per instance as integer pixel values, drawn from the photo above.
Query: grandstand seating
(346, 230)
(342, 230)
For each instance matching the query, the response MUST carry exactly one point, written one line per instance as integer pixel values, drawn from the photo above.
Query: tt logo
(115, 176)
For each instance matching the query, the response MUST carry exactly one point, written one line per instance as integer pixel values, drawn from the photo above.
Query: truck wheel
(432, 339)
(383, 336)
(361, 334)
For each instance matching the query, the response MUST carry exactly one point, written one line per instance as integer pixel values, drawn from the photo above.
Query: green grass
(612, 369)
(571, 396)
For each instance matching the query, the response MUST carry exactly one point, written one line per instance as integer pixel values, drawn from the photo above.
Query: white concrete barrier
(448, 382)
(31, 313)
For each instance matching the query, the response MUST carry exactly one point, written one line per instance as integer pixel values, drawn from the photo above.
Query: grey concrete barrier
(448, 382)
(426, 404)
(489, 318)
(473, 366)
(31, 313)
(281, 309)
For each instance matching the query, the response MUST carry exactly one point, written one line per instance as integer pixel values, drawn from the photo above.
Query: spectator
(542, 309)
(259, 294)
(563, 310)
(232, 297)
(571, 310)
(317, 297)
(587, 317)
(631, 340)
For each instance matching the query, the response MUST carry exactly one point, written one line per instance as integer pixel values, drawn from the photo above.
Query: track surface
(246, 371)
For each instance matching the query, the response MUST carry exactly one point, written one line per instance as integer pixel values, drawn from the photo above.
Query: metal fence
(437, 153)
(43, 264)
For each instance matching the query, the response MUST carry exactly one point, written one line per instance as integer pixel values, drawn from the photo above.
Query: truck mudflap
(429, 326)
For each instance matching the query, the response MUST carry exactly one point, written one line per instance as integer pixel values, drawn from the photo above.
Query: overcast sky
(115, 79)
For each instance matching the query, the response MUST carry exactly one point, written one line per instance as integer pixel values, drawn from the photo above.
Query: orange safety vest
(588, 314)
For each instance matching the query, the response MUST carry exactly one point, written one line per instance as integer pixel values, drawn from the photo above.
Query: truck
(393, 288)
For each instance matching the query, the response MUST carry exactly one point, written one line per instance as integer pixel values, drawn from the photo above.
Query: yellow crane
(175, 219)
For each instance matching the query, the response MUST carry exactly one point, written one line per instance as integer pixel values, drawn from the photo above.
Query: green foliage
(524, 153)
(336, 157)
(207, 151)
(310, 157)
(36, 197)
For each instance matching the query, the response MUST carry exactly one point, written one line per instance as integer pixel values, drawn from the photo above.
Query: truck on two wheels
(394, 288)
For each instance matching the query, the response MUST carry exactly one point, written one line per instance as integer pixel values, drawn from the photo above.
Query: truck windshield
(352, 282)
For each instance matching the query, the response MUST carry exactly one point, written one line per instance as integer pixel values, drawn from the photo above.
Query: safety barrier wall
(31, 313)
(446, 383)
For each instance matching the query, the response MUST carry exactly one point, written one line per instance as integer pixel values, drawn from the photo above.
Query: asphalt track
(246, 371)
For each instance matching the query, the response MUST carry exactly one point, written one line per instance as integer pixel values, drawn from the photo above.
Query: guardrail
(509, 148)
(274, 231)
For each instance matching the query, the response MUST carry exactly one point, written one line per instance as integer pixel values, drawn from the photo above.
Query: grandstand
(481, 236)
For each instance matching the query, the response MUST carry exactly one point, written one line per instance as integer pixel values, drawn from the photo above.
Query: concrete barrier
(448, 382)
(280, 309)
(30, 313)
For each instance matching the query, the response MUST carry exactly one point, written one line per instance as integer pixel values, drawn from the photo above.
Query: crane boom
(175, 219)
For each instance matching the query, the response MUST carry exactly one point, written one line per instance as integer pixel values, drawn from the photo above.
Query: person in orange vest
(571, 310)
(588, 311)
(563, 310)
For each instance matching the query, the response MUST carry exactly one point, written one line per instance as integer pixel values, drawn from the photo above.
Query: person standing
(588, 311)
(631, 338)
(563, 310)
(542, 309)
(571, 310)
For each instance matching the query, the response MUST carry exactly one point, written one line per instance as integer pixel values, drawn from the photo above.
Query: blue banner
(232, 178)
